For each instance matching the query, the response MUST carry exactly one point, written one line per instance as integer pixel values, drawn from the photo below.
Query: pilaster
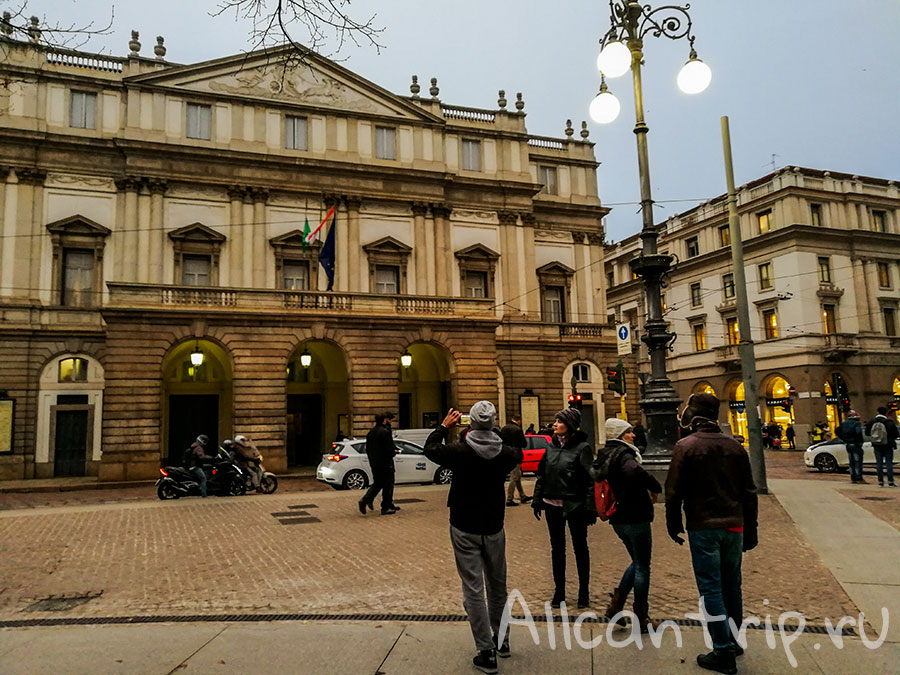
(158, 188)
(235, 243)
(127, 254)
(30, 203)
(442, 261)
(420, 248)
(353, 243)
(260, 253)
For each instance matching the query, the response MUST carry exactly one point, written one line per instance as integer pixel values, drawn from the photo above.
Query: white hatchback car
(347, 467)
(831, 456)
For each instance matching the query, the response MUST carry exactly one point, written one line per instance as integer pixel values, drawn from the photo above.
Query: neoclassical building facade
(155, 282)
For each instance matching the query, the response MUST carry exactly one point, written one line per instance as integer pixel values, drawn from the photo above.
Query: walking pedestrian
(635, 492)
(709, 476)
(851, 432)
(564, 491)
(790, 435)
(380, 450)
(480, 461)
(514, 437)
(530, 429)
(883, 433)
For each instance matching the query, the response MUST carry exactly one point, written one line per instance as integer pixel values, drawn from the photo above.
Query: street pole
(745, 347)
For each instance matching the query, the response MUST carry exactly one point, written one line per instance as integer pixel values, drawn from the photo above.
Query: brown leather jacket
(710, 477)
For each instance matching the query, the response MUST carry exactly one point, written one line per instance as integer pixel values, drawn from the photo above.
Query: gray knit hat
(571, 417)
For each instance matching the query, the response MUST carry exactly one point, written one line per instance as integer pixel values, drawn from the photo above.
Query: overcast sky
(813, 83)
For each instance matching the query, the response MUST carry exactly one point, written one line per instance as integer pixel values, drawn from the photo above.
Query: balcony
(244, 300)
(728, 357)
(838, 346)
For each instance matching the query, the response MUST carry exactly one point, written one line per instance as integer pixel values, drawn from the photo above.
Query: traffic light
(576, 402)
(839, 389)
(616, 378)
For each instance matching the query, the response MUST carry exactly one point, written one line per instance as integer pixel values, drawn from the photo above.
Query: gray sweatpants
(481, 564)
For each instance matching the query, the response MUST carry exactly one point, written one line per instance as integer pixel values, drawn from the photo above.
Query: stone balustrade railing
(546, 143)
(468, 114)
(89, 61)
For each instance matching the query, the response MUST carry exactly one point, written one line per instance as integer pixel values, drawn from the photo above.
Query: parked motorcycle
(248, 455)
(225, 479)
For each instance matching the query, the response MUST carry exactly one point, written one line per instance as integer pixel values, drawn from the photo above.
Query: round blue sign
(623, 332)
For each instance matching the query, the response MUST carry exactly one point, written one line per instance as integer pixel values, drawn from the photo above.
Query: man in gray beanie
(480, 462)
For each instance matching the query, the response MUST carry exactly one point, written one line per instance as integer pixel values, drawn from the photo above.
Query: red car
(537, 445)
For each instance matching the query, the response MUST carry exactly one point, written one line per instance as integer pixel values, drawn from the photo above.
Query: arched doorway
(426, 386)
(318, 400)
(737, 410)
(778, 402)
(703, 388)
(196, 395)
(585, 378)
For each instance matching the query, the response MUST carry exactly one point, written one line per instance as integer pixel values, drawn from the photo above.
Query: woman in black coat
(564, 491)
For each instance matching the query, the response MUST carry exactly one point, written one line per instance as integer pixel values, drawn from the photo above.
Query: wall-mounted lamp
(197, 355)
(406, 359)
(305, 358)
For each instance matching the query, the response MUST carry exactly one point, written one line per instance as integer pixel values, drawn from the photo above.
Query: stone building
(153, 215)
(822, 263)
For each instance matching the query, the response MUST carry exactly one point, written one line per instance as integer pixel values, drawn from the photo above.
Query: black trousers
(556, 524)
(383, 481)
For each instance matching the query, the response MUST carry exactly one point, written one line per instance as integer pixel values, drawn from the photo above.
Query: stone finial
(501, 102)
(433, 89)
(584, 131)
(414, 88)
(520, 104)
(134, 45)
(6, 24)
(160, 48)
(34, 30)
(569, 129)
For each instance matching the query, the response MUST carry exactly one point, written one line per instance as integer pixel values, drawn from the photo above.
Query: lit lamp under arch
(197, 356)
(406, 359)
(305, 358)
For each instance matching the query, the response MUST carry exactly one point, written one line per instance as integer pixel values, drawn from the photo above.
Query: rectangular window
(387, 279)
(295, 275)
(828, 319)
(195, 270)
(198, 121)
(762, 220)
(295, 132)
(732, 332)
(884, 275)
(770, 324)
(765, 276)
(815, 214)
(78, 277)
(385, 143)
(610, 279)
(696, 298)
(699, 337)
(693, 247)
(728, 285)
(73, 370)
(548, 178)
(724, 236)
(879, 221)
(554, 309)
(471, 155)
(890, 321)
(824, 270)
(476, 284)
(83, 110)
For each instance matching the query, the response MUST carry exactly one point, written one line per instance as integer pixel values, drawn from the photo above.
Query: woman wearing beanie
(564, 491)
(635, 492)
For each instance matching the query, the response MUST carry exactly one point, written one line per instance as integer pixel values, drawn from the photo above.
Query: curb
(112, 485)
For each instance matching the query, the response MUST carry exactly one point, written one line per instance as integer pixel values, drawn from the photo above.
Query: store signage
(772, 402)
(736, 405)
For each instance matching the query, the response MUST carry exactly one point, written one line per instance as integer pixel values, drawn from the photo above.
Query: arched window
(73, 370)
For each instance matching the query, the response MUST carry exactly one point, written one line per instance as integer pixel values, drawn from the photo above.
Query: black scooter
(224, 479)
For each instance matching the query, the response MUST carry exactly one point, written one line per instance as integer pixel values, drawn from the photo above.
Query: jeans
(884, 460)
(638, 542)
(200, 475)
(481, 565)
(383, 480)
(556, 524)
(515, 480)
(716, 558)
(855, 455)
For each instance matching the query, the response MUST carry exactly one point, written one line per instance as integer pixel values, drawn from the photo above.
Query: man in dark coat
(851, 432)
(514, 437)
(710, 477)
(480, 461)
(380, 450)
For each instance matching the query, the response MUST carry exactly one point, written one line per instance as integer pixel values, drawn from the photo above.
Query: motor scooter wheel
(237, 487)
(166, 491)
(268, 484)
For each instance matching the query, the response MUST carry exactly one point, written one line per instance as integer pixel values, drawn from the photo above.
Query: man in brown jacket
(710, 477)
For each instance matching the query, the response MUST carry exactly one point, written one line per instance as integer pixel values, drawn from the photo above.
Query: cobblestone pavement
(146, 557)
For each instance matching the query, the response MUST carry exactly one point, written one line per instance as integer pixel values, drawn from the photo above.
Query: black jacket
(631, 486)
(564, 473)
(380, 448)
(850, 431)
(477, 499)
(513, 436)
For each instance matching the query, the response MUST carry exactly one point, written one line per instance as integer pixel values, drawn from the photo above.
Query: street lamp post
(622, 47)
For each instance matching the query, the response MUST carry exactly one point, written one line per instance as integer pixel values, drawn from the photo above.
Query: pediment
(387, 245)
(293, 239)
(555, 268)
(273, 75)
(476, 252)
(196, 232)
(78, 225)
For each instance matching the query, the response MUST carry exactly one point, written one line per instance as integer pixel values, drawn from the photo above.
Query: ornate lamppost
(621, 48)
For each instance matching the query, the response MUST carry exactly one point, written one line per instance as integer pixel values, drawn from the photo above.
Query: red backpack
(604, 499)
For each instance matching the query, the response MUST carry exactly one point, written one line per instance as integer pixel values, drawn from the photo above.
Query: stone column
(248, 251)
(144, 201)
(862, 268)
(126, 253)
(260, 245)
(598, 289)
(420, 248)
(510, 261)
(582, 278)
(30, 202)
(442, 253)
(8, 242)
(532, 300)
(158, 189)
(352, 244)
(235, 241)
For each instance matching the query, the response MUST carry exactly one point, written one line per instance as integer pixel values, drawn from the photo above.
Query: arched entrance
(426, 386)
(703, 388)
(196, 395)
(778, 402)
(832, 413)
(585, 378)
(318, 400)
(737, 411)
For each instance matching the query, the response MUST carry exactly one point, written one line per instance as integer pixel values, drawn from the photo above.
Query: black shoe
(362, 506)
(738, 650)
(510, 502)
(718, 660)
(485, 661)
(525, 500)
(558, 599)
(502, 650)
(371, 506)
(584, 601)
(388, 512)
